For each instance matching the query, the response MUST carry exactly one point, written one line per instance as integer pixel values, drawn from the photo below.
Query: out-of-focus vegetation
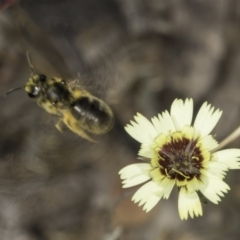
(138, 56)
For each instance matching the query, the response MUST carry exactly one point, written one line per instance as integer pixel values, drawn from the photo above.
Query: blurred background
(137, 55)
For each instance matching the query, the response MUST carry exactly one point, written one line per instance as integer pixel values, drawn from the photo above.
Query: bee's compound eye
(42, 78)
(31, 95)
(63, 82)
(33, 92)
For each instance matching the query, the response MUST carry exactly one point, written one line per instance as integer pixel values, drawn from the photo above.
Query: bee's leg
(59, 125)
(74, 127)
(83, 134)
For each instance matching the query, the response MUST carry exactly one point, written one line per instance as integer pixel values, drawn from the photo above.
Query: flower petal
(146, 151)
(156, 175)
(189, 203)
(207, 119)
(151, 202)
(214, 169)
(193, 185)
(230, 157)
(213, 188)
(181, 113)
(167, 185)
(215, 173)
(142, 130)
(208, 142)
(135, 174)
(146, 195)
(164, 123)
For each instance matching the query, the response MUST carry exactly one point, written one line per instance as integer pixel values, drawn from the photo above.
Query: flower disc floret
(179, 158)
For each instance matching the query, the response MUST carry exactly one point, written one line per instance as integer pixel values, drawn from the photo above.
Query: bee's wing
(74, 84)
(85, 84)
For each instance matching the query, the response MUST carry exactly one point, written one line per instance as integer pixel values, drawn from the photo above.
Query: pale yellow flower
(179, 154)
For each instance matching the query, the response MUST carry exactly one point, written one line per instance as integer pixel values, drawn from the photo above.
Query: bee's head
(35, 85)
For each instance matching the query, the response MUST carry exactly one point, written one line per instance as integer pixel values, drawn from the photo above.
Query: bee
(77, 108)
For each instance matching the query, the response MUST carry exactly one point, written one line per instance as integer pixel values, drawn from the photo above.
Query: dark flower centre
(180, 159)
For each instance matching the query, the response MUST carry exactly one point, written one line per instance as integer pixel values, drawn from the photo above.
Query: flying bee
(78, 109)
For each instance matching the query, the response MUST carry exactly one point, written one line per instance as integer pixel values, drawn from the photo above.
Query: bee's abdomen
(93, 114)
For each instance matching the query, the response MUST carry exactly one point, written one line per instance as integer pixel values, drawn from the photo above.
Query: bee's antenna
(29, 61)
(31, 67)
(13, 89)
